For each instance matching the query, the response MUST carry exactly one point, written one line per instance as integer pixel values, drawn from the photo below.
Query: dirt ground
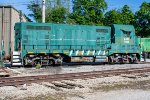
(123, 87)
(31, 71)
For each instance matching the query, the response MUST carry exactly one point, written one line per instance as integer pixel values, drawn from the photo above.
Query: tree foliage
(143, 20)
(88, 11)
(56, 15)
(127, 16)
(36, 10)
(55, 10)
(112, 17)
(120, 16)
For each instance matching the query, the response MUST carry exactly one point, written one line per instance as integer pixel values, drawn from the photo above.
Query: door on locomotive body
(103, 37)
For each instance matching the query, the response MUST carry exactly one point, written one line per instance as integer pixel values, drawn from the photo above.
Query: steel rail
(14, 81)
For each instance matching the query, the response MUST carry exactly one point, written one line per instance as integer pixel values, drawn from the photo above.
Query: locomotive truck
(50, 44)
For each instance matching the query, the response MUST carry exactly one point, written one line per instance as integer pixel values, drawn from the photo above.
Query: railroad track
(97, 63)
(4, 72)
(14, 81)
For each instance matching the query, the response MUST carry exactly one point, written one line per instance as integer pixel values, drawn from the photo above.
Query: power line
(40, 3)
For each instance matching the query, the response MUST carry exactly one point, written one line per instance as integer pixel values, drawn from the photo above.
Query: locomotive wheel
(36, 62)
(121, 61)
(110, 60)
(130, 60)
(135, 61)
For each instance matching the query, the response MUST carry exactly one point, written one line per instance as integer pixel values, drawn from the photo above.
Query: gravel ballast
(69, 69)
(106, 88)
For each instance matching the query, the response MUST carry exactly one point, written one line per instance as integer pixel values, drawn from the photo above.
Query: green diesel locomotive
(50, 44)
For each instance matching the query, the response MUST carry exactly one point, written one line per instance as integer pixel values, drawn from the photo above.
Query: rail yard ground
(69, 69)
(128, 87)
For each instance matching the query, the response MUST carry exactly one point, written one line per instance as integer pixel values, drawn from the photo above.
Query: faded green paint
(124, 40)
(62, 38)
(75, 40)
(145, 44)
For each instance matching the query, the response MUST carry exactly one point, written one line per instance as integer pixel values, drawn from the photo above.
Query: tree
(112, 17)
(88, 11)
(143, 20)
(56, 10)
(57, 15)
(120, 16)
(36, 10)
(127, 16)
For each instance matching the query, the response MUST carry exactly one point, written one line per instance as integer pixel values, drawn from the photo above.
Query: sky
(112, 4)
(133, 4)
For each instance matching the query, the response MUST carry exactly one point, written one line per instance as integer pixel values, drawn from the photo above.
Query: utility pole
(43, 11)
(20, 15)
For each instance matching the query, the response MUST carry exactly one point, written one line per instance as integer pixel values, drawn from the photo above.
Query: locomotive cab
(124, 47)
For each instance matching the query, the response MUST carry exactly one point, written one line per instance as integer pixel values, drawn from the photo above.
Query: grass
(38, 66)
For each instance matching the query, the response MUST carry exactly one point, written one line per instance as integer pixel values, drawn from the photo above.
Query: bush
(38, 66)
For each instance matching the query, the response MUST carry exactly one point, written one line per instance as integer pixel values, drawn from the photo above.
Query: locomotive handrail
(81, 47)
(125, 47)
